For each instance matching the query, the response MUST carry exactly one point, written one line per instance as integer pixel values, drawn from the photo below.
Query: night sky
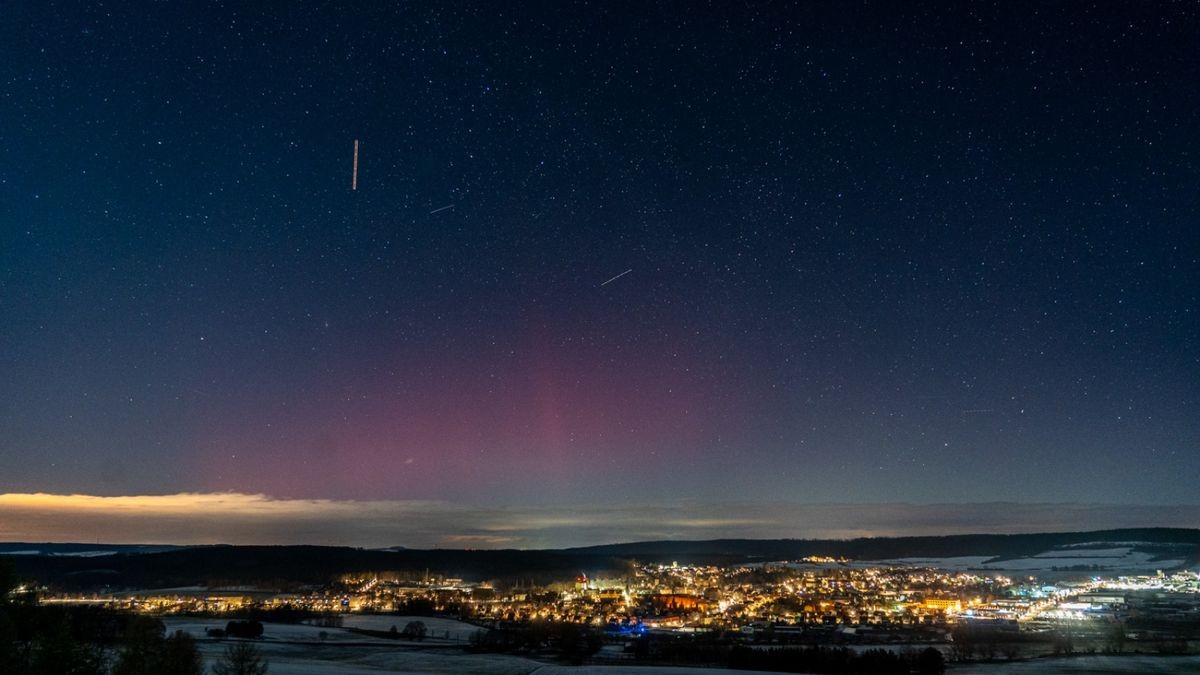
(881, 252)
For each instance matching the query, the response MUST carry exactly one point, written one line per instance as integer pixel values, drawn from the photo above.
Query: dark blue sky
(880, 251)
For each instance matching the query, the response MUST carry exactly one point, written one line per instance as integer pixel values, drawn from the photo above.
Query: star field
(880, 251)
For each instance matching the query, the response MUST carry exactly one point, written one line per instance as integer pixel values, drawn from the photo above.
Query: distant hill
(81, 550)
(69, 565)
(882, 548)
(291, 566)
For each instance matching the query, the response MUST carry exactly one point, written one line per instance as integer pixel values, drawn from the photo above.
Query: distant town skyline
(562, 256)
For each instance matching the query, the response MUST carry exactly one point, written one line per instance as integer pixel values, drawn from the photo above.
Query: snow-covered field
(1116, 559)
(1087, 665)
(636, 670)
(1073, 552)
(68, 554)
(438, 629)
(332, 660)
(296, 649)
(957, 563)
(273, 632)
(299, 650)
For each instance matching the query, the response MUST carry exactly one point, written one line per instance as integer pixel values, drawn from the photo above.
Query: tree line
(86, 640)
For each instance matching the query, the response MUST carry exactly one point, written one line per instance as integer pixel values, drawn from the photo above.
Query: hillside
(288, 566)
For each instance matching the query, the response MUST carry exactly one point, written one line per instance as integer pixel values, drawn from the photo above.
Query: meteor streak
(617, 277)
(448, 206)
(354, 174)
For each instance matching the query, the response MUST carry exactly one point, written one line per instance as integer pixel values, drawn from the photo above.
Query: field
(302, 650)
(1087, 665)
(312, 650)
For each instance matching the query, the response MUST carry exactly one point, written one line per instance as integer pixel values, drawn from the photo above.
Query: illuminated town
(809, 601)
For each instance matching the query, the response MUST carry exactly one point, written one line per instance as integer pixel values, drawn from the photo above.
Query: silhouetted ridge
(290, 566)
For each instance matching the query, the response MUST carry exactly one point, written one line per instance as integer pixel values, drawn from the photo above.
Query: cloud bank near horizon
(236, 518)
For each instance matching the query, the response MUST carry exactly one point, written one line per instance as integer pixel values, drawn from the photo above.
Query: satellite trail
(354, 173)
(448, 206)
(617, 277)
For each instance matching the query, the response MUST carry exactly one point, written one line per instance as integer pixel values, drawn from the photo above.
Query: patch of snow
(963, 562)
(1098, 544)
(1087, 553)
(438, 628)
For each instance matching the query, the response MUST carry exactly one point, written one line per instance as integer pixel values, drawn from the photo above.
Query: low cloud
(259, 519)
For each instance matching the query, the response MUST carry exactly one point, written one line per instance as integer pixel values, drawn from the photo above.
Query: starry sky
(926, 253)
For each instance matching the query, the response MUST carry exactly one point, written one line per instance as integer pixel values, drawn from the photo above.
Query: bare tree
(241, 659)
